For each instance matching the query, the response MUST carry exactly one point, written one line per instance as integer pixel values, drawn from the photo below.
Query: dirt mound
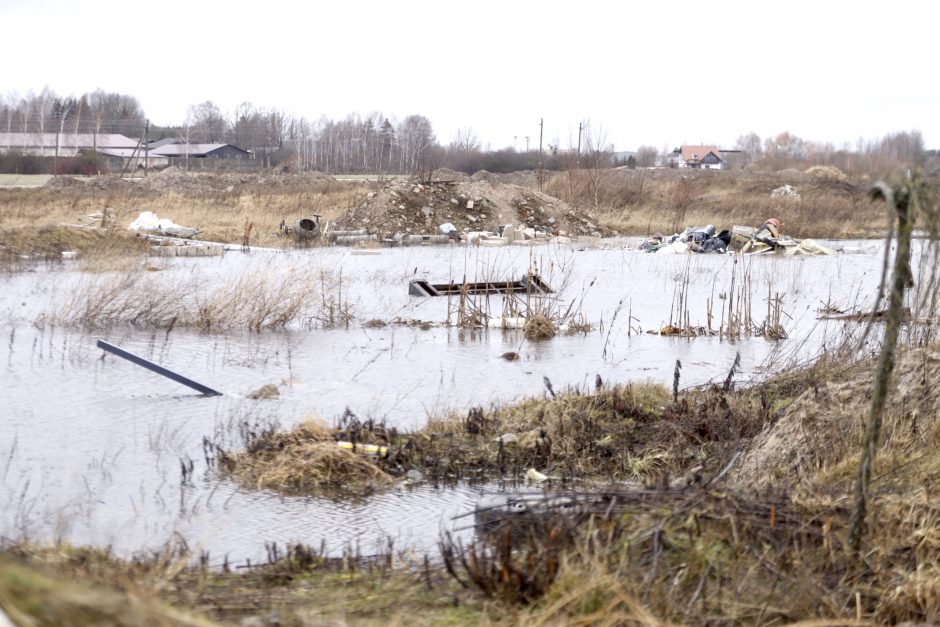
(446, 174)
(416, 208)
(826, 172)
(97, 183)
(64, 182)
(176, 179)
(817, 439)
(525, 178)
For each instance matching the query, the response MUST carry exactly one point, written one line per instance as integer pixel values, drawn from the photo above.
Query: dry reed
(256, 299)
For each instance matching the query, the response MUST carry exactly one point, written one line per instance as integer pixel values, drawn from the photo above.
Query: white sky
(646, 72)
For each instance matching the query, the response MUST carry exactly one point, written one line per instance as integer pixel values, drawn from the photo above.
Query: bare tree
(750, 147)
(465, 141)
(210, 125)
(597, 156)
(646, 156)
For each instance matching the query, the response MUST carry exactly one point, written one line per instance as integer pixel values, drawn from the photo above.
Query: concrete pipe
(306, 226)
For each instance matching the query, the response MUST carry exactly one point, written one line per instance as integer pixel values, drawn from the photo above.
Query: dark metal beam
(149, 365)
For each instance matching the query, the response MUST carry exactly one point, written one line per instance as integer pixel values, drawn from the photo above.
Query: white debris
(508, 322)
(148, 222)
(675, 248)
(446, 229)
(786, 191)
(534, 476)
(809, 247)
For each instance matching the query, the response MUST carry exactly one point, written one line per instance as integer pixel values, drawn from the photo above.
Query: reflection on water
(91, 445)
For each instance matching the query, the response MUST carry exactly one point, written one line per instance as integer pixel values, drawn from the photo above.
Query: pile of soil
(408, 207)
(446, 174)
(826, 172)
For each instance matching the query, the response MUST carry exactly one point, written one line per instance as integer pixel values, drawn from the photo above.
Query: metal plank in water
(149, 365)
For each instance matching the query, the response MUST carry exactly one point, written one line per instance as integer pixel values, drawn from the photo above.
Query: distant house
(201, 151)
(698, 157)
(70, 144)
(157, 143)
(122, 158)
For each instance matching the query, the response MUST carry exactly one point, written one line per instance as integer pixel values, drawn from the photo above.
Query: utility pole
(146, 148)
(527, 143)
(541, 129)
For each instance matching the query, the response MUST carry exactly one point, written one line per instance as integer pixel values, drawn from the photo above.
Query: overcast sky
(652, 72)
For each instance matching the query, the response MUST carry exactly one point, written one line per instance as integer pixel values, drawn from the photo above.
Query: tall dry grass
(256, 299)
(667, 201)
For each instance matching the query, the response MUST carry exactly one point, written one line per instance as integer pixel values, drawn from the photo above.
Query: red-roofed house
(699, 157)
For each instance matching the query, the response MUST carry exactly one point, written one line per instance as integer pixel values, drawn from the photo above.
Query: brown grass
(704, 557)
(667, 201)
(220, 206)
(254, 300)
(622, 433)
(28, 244)
(304, 460)
(298, 585)
(814, 445)
(32, 594)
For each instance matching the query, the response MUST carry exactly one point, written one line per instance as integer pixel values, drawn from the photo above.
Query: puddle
(91, 445)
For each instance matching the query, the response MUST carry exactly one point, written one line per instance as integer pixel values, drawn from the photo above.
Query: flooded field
(92, 446)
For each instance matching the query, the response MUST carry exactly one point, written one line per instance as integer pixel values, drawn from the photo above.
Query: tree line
(376, 143)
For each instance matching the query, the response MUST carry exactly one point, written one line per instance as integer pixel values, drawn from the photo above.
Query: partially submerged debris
(529, 284)
(739, 238)
(703, 239)
(158, 369)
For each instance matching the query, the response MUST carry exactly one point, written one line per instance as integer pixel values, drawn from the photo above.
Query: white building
(698, 157)
(70, 144)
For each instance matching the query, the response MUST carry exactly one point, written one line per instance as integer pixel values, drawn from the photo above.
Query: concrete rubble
(478, 210)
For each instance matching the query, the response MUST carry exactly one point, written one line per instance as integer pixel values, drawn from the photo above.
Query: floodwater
(91, 446)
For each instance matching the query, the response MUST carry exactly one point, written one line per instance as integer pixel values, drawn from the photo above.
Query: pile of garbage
(744, 239)
(702, 239)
